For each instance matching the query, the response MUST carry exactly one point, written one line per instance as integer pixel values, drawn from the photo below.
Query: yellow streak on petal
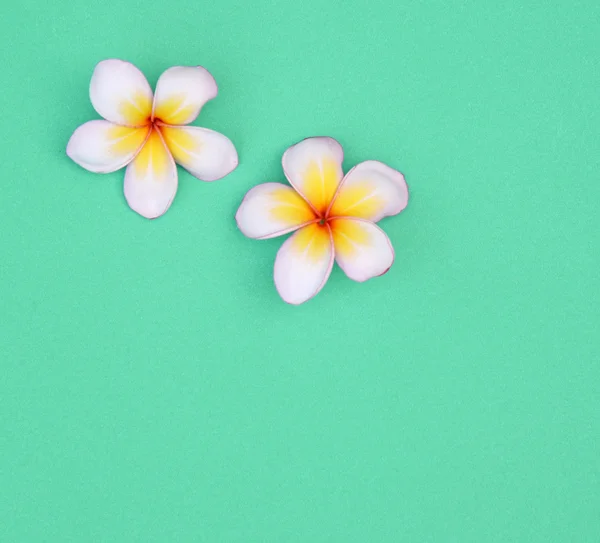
(313, 241)
(137, 110)
(180, 143)
(153, 156)
(347, 236)
(320, 183)
(360, 200)
(173, 111)
(289, 207)
(124, 140)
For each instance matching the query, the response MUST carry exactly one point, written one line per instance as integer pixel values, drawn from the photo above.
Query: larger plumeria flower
(333, 215)
(146, 133)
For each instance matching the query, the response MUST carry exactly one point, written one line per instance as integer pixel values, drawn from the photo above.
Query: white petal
(272, 209)
(362, 249)
(181, 92)
(103, 147)
(314, 168)
(120, 93)
(303, 264)
(151, 179)
(371, 190)
(206, 154)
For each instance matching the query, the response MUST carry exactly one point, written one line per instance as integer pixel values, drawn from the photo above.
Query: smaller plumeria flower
(148, 133)
(333, 217)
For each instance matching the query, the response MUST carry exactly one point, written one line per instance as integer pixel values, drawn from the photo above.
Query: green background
(154, 387)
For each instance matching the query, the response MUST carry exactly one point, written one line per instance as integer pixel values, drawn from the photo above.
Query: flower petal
(151, 179)
(272, 209)
(371, 190)
(314, 168)
(181, 92)
(206, 154)
(303, 264)
(362, 249)
(104, 147)
(120, 93)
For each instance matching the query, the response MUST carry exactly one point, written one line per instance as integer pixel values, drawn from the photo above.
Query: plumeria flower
(147, 133)
(333, 217)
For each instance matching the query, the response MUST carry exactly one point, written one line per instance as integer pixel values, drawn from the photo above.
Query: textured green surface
(153, 386)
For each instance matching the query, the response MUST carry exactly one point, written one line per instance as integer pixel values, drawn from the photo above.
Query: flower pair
(332, 216)
(148, 133)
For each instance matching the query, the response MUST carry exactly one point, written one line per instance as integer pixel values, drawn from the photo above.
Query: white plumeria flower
(147, 133)
(333, 215)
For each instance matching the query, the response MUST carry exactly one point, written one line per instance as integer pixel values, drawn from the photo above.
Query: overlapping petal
(181, 92)
(206, 154)
(314, 168)
(303, 264)
(120, 93)
(151, 179)
(104, 147)
(362, 249)
(272, 209)
(371, 190)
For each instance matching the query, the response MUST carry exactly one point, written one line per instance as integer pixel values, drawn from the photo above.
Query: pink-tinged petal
(362, 249)
(314, 168)
(151, 179)
(181, 92)
(120, 93)
(303, 264)
(104, 147)
(371, 190)
(272, 209)
(206, 154)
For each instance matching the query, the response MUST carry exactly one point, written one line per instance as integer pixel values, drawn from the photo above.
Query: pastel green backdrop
(154, 387)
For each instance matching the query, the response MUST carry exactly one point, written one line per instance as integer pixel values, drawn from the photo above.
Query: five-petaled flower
(147, 133)
(333, 215)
